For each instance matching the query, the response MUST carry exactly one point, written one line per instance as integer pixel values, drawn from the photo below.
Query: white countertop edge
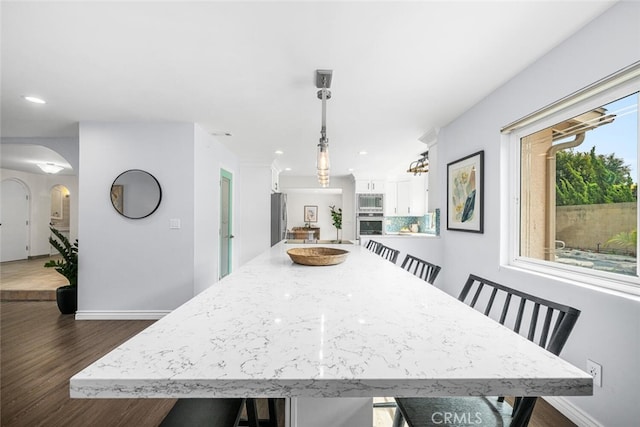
(329, 388)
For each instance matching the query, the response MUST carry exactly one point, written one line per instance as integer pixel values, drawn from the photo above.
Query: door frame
(224, 174)
(27, 192)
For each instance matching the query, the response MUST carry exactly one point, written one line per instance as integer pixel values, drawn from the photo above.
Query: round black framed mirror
(135, 194)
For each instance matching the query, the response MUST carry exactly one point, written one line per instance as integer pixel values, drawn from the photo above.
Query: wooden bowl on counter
(317, 256)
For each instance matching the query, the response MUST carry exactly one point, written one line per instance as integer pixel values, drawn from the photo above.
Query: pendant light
(421, 165)
(323, 166)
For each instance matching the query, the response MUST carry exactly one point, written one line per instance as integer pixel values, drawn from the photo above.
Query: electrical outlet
(595, 370)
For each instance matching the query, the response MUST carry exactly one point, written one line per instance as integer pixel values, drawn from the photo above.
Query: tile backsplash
(429, 223)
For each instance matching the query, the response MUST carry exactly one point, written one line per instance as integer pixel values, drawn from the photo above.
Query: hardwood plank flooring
(41, 349)
(545, 415)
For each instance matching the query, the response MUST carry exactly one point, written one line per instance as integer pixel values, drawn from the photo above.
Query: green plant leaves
(68, 266)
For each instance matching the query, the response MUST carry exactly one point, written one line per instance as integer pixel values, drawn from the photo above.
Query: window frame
(511, 139)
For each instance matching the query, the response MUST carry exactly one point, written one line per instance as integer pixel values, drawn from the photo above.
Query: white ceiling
(401, 69)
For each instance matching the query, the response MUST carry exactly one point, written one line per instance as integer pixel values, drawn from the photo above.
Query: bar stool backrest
(421, 268)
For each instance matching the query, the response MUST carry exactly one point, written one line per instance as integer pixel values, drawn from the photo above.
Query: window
(574, 204)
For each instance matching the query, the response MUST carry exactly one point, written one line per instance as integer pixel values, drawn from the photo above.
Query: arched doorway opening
(60, 211)
(26, 277)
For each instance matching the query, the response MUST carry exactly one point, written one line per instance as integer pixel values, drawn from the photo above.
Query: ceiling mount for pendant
(323, 78)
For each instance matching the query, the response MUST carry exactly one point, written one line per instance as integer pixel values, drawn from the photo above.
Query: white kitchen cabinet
(369, 186)
(391, 199)
(417, 195)
(426, 193)
(403, 198)
(406, 197)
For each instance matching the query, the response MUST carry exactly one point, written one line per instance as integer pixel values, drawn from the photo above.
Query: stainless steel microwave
(370, 203)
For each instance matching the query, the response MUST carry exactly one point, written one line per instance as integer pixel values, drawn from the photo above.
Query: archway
(27, 278)
(60, 211)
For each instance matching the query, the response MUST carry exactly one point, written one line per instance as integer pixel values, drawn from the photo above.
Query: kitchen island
(359, 329)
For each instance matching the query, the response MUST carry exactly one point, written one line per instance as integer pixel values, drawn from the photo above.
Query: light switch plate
(174, 223)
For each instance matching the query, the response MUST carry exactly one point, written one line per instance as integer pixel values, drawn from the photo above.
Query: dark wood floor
(40, 349)
(545, 415)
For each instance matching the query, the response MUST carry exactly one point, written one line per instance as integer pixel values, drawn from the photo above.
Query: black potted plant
(66, 296)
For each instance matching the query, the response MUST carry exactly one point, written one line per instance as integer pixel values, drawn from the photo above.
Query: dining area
(329, 339)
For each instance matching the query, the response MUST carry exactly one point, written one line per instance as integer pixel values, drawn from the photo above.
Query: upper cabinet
(369, 186)
(391, 199)
(404, 198)
(418, 195)
(407, 197)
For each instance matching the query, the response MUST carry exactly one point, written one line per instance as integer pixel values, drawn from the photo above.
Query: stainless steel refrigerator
(278, 217)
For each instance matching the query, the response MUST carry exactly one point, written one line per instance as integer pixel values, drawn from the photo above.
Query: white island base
(335, 412)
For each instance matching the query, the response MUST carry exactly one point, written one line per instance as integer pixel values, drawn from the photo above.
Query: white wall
(345, 183)
(608, 330)
(39, 188)
(126, 264)
(209, 157)
(253, 234)
(295, 211)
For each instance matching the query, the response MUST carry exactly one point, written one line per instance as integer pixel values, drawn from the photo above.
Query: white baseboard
(121, 314)
(571, 411)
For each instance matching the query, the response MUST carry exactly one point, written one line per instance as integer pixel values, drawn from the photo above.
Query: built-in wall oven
(369, 223)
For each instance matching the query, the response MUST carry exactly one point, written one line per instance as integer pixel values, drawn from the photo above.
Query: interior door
(225, 222)
(14, 221)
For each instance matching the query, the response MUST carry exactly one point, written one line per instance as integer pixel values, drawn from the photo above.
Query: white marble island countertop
(358, 329)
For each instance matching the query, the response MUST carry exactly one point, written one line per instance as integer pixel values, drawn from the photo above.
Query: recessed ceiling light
(362, 153)
(279, 152)
(35, 99)
(287, 169)
(350, 169)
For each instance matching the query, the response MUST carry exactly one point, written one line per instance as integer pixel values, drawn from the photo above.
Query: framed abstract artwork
(465, 194)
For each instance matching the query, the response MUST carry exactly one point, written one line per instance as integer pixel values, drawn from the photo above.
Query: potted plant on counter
(336, 216)
(66, 296)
